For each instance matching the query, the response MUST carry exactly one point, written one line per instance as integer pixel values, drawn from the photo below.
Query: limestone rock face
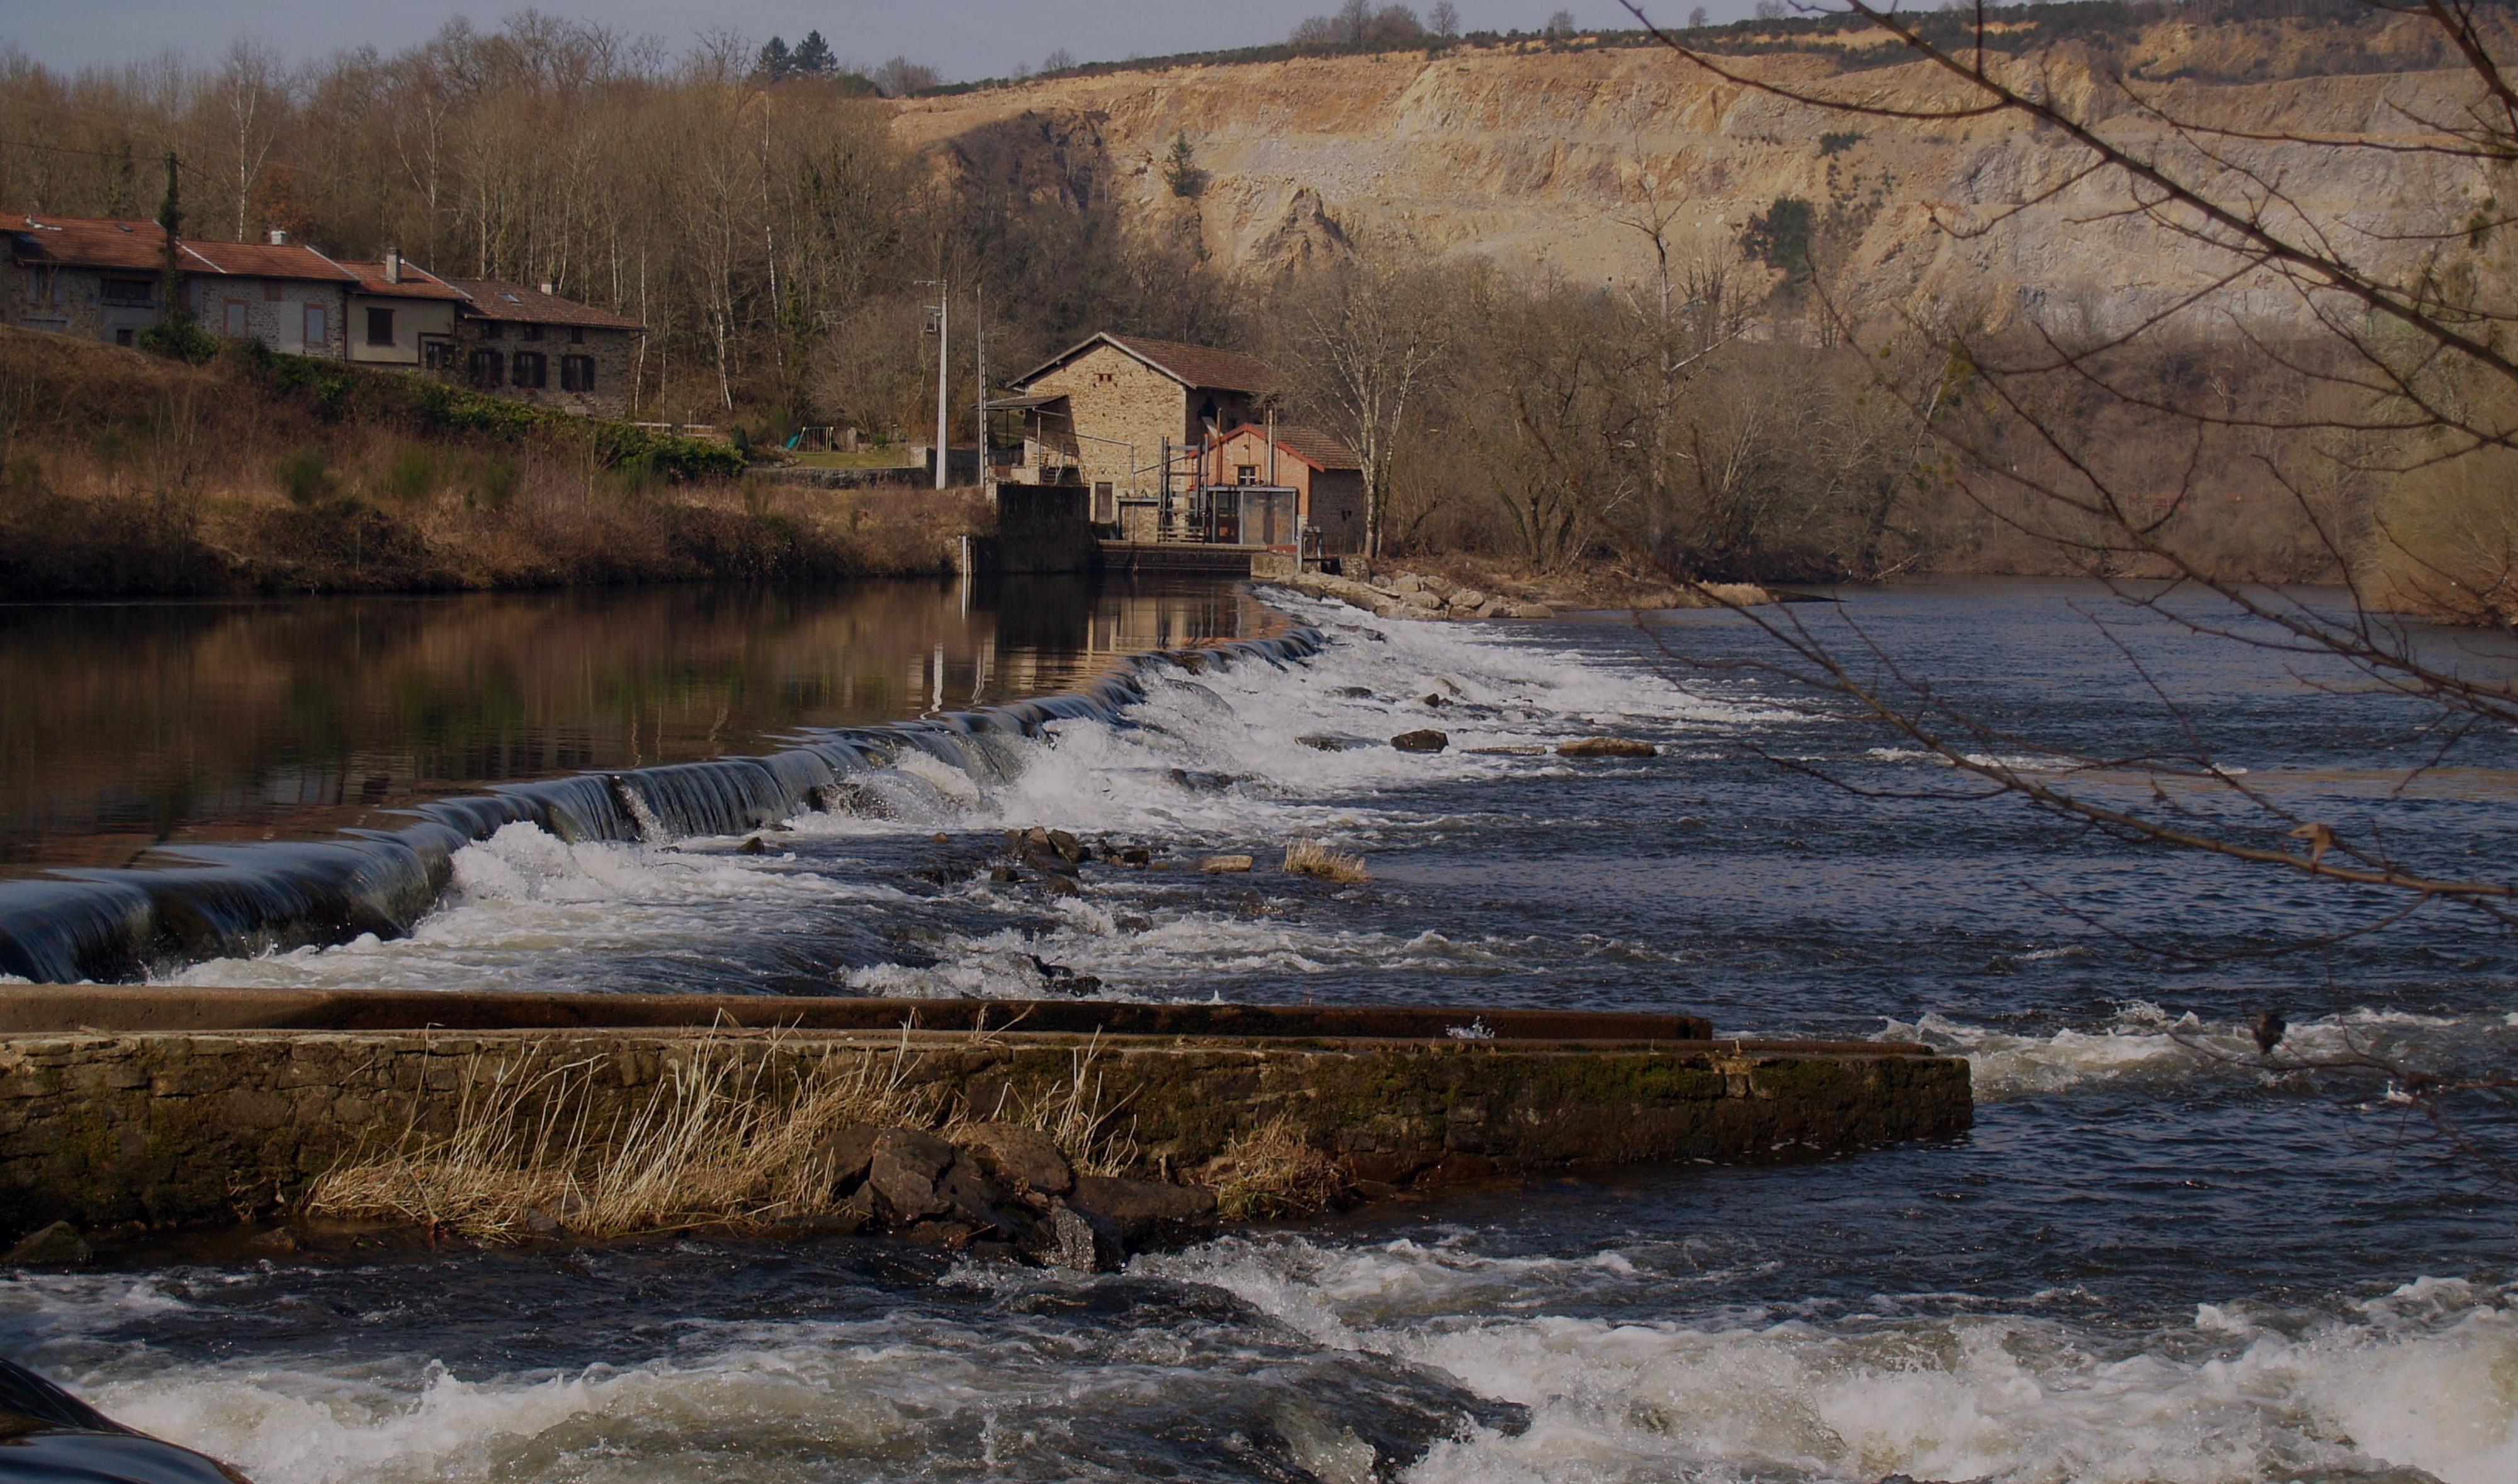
(1529, 158)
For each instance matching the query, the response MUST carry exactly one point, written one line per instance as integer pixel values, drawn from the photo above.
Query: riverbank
(126, 475)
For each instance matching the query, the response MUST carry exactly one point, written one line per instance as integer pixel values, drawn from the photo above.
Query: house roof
(1324, 451)
(498, 299)
(140, 246)
(1192, 366)
(416, 282)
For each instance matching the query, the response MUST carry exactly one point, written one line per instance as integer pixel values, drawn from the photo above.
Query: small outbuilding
(1321, 511)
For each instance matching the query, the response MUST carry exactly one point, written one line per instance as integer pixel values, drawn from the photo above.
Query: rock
(58, 1245)
(1023, 1156)
(1426, 741)
(543, 1223)
(1334, 741)
(753, 847)
(971, 1198)
(1434, 699)
(1515, 749)
(1136, 855)
(280, 1239)
(1417, 611)
(1069, 847)
(1198, 781)
(1058, 976)
(1490, 608)
(850, 1151)
(1079, 1241)
(1220, 866)
(1146, 1211)
(1528, 611)
(1407, 582)
(905, 1165)
(1355, 692)
(851, 798)
(1004, 873)
(1466, 597)
(1054, 884)
(941, 838)
(1607, 746)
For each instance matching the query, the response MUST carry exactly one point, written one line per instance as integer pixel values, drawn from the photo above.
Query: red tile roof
(1322, 450)
(113, 243)
(416, 282)
(84, 242)
(498, 299)
(1192, 366)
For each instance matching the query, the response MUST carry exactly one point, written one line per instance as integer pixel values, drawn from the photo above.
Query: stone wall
(188, 1127)
(614, 353)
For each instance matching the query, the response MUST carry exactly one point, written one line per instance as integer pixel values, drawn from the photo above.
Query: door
(319, 330)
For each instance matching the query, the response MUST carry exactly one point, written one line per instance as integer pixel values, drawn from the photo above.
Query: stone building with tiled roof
(530, 343)
(1120, 412)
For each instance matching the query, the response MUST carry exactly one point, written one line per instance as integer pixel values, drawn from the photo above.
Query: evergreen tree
(775, 64)
(812, 57)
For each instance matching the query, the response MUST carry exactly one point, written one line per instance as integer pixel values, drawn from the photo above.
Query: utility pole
(943, 370)
(980, 339)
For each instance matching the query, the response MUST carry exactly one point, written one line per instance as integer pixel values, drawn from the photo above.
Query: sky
(964, 39)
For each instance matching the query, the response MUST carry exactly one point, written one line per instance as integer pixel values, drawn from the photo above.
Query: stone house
(399, 315)
(1127, 415)
(1321, 512)
(535, 346)
(101, 278)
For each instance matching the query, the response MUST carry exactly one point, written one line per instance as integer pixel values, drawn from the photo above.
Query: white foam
(2429, 1384)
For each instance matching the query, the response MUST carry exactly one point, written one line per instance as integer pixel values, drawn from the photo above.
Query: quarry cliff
(1546, 160)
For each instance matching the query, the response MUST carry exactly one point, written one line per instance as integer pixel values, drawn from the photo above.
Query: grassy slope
(126, 475)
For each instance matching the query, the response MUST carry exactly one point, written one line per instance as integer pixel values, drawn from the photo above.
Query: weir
(221, 900)
(231, 1103)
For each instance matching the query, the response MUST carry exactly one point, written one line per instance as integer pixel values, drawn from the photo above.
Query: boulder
(971, 1199)
(849, 1150)
(1607, 746)
(1334, 741)
(1078, 1240)
(905, 1165)
(1222, 866)
(1490, 608)
(1425, 741)
(1528, 611)
(1024, 1157)
(1510, 749)
(58, 1245)
(1146, 1211)
(1420, 611)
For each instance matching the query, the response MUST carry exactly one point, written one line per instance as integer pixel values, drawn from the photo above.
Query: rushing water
(2145, 1264)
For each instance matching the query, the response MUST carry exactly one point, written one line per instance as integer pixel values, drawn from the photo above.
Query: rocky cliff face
(1546, 161)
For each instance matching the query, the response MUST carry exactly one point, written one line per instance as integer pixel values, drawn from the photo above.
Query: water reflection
(132, 725)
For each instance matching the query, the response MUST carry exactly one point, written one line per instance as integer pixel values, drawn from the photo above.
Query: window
(122, 336)
(533, 332)
(127, 293)
(1245, 473)
(319, 328)
(234, 319)
(436, 355)
(381, 326)
(486, 367)
(1106, 504)
(43, 285)
(577, 335)
(1106, 378)
(576, 373)
(529, 370)
(488, 330)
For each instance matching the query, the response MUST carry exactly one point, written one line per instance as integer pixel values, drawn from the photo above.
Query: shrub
(412, 477)
(304, 478)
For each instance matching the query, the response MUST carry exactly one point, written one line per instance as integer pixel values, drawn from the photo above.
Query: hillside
(1531, 155)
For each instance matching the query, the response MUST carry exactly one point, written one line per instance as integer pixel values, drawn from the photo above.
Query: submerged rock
(1334, 741)
(58, 1245)
(1425, 741)
(1607, 746)
(1079, 1241)
(1148, 1211)
(1217, 865)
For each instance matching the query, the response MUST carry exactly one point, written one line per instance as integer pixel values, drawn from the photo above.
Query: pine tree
(775, 63)
(812, 57)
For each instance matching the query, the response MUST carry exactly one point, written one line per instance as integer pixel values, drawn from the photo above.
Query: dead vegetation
(733, 1135)
(1311, 858)
(121, 474)
(1273, 1174)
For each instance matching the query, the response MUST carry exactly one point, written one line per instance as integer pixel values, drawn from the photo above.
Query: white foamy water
(1209, 762)
(2427, 1378)
(2144, 1042)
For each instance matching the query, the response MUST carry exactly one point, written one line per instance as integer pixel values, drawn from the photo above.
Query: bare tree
(1444, 20)
(1371, 340)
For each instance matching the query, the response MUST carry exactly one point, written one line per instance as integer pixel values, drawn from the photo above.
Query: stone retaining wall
(188, 1127)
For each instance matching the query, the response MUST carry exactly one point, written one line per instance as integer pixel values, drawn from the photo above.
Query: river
(2146, 1262)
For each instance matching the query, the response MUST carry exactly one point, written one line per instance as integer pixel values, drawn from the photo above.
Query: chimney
(548, 288)
(278, 239)
(393, 265)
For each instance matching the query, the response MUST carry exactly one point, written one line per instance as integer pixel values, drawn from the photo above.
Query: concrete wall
(185, 1128)
(1041, 527)
(416, 321)
(1337, 511)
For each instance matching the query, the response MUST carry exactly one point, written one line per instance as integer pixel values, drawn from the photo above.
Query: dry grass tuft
(717, 1141)
(1272, 1172)
(1309, 858)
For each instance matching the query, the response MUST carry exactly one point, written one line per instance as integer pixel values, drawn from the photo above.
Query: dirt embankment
(126, 475)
